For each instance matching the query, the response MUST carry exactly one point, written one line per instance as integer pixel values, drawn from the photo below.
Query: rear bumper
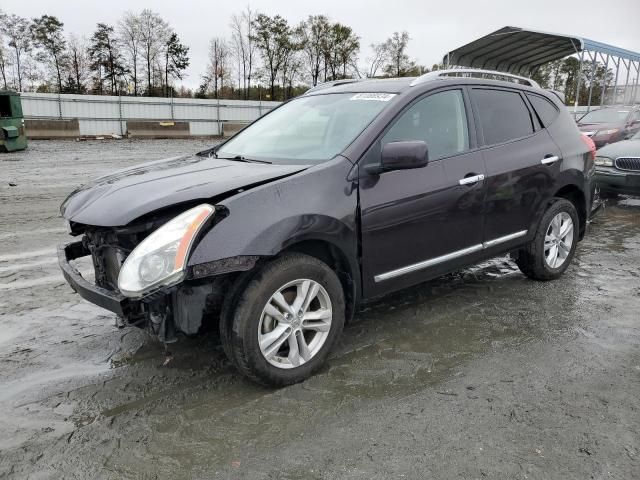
(614, 180)
(112, 301)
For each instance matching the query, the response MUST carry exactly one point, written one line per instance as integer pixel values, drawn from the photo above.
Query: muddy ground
(480, 374)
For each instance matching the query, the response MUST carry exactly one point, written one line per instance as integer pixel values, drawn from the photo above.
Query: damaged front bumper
(181, 309)
(107, 299)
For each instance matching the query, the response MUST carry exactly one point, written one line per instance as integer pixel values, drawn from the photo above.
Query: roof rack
(475, 72)
(332, 83)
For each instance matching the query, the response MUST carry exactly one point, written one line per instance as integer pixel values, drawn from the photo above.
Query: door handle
(550, 160)
(471, 180)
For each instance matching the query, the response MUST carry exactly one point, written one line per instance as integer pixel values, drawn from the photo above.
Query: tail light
(589, 143)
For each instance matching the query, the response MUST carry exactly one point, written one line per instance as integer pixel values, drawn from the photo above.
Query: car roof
(382, 85)
(399, 85)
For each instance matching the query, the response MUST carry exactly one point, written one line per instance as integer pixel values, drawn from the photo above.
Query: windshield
(605, 115)
(307, 130)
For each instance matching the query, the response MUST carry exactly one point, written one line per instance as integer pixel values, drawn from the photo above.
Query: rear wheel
(283, 322)
(550, 252)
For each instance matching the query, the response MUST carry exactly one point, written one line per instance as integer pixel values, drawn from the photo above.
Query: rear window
(503, 115)
(547, 111)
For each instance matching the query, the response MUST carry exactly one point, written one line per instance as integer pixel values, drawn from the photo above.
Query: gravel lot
(479, 374)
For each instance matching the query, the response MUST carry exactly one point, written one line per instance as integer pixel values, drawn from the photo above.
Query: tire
(249, 320)
(536, 259)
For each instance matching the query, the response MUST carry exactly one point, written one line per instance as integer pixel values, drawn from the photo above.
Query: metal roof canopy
(522, 52)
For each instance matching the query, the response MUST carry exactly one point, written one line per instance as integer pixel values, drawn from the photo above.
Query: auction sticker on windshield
(379, 97)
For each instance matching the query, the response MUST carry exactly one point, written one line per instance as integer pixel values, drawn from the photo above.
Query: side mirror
(401, 156)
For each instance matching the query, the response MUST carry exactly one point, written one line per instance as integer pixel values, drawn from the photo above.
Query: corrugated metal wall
(105, 115)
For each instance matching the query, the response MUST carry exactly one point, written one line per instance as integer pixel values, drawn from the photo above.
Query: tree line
(262, 57)
(562, 75)
(141, 55)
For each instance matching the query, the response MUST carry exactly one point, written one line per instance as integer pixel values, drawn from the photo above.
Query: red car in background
(610, 124)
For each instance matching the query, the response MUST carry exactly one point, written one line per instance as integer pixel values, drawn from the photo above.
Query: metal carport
(520, 51)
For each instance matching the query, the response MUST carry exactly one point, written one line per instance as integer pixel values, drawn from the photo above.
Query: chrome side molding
(449, 256)
(506, 238)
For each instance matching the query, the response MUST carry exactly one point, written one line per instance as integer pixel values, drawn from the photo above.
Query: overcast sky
(434, 27)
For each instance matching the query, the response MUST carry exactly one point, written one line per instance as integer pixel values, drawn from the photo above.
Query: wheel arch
(576, 196)
(338, 260)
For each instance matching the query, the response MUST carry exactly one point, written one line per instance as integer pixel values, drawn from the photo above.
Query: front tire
(283, 322)
(550, 252)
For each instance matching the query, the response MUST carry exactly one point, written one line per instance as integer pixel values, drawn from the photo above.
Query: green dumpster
(12, 134)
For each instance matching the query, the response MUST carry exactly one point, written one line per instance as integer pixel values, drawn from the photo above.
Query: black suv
(351, 191)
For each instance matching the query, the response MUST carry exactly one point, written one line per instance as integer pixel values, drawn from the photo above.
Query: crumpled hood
(119, 198)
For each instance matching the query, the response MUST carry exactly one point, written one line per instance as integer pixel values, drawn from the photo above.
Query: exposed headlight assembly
(160, 259)
(603, 162)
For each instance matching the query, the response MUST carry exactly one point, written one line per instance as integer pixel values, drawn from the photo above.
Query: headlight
(161, 258)
(606, 132)
(604, 162)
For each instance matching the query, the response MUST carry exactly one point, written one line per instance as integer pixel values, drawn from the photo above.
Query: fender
(266, 220)
(571, 178)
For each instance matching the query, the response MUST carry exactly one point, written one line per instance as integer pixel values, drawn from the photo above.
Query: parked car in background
(610, 124)
(349, 192)
(618, 168)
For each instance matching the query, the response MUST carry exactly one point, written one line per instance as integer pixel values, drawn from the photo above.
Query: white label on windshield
(378, 97)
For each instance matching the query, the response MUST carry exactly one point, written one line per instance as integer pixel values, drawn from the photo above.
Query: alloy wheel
(558, 240)
(295, 323)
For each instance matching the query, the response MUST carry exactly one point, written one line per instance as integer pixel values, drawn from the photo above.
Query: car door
(521, 163)
(414, 223)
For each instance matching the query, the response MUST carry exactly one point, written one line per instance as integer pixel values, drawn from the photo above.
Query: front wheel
(283, 322)
(550, 252)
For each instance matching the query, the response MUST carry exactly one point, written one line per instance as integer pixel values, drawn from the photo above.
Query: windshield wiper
(240, 158)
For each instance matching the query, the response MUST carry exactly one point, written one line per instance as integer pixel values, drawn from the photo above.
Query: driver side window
(440, 120)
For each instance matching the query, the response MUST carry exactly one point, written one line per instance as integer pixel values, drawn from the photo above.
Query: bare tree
(78, 65)
(239, 43)
(377, 58)
(248, 16)
(18, 31)
(242, 33)
(4, 63)
(129, 30)
(218, 62)
(154, 32)
(4, 60)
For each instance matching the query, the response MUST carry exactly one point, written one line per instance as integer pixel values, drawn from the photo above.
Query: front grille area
(628, 163)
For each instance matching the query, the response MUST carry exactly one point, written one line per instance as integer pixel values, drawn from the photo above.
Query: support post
(634, 91)
(604, 80)
(575, 106)
(120, 114)
(171, 100)
(626, 82)
(218, 115)
(594, 63)
(59, 106)
(614, 96)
